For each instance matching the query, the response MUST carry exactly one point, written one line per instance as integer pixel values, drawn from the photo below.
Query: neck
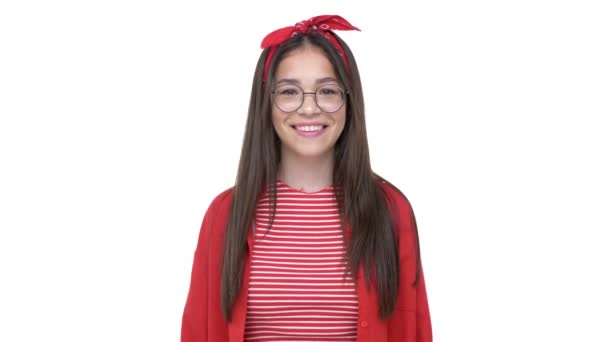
(308, 174)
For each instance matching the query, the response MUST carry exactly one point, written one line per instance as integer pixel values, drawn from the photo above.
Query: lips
(309, 129)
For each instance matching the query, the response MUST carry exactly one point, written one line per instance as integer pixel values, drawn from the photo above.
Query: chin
(309, 151)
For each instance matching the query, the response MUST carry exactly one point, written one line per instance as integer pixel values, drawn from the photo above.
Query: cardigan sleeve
(422, 318)
(424, 331)
(412, 320)
(195, 320)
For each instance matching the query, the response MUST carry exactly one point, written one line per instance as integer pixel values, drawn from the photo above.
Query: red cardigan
(202, 319)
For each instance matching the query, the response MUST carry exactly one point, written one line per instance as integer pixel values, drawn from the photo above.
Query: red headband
(321, 24)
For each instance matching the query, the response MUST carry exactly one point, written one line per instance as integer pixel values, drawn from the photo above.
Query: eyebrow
(318, 81)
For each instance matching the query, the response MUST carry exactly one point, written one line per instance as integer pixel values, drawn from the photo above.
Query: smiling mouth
(309, 128)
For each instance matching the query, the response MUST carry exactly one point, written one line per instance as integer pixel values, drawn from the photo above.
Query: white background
(121, 120)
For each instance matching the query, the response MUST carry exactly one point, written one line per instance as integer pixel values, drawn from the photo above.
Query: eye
(287, 91)
(329, 91)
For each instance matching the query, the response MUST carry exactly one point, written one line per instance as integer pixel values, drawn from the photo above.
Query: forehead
(305, 65)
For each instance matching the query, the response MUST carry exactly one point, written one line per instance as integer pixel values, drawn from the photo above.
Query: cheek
(276, 120)
(341, 121)
(278, 126)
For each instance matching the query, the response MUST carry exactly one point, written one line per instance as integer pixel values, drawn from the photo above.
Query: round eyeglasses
(290, 97)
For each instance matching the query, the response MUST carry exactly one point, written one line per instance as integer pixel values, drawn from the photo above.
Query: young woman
(310, 244)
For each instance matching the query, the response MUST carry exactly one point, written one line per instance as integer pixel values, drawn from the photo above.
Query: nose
(309, 104)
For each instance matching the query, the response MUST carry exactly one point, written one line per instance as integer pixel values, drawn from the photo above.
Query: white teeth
(309, 128)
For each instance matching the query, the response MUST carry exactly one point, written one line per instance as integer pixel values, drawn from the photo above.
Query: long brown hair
(361, 201)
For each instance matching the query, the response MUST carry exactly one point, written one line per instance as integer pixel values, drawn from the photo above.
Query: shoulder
(404, 223)
(398, 204)
(219, 208)
(221, 202)
(216, 215)
(394, 196)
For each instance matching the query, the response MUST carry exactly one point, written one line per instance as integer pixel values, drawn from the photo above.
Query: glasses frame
(344, 94)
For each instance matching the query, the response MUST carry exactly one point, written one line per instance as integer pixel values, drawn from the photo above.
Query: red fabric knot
(322, 24)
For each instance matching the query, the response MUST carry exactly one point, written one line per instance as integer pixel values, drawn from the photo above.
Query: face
(308, 131)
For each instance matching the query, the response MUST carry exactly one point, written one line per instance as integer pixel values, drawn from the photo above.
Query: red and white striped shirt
(297, 288)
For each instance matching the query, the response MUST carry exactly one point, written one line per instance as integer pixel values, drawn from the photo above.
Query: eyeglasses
(289, 97)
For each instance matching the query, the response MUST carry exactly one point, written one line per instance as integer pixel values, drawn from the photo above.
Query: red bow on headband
(322, 24)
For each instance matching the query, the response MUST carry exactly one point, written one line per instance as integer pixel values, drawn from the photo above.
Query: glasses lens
(288, 98)
(330, 98)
